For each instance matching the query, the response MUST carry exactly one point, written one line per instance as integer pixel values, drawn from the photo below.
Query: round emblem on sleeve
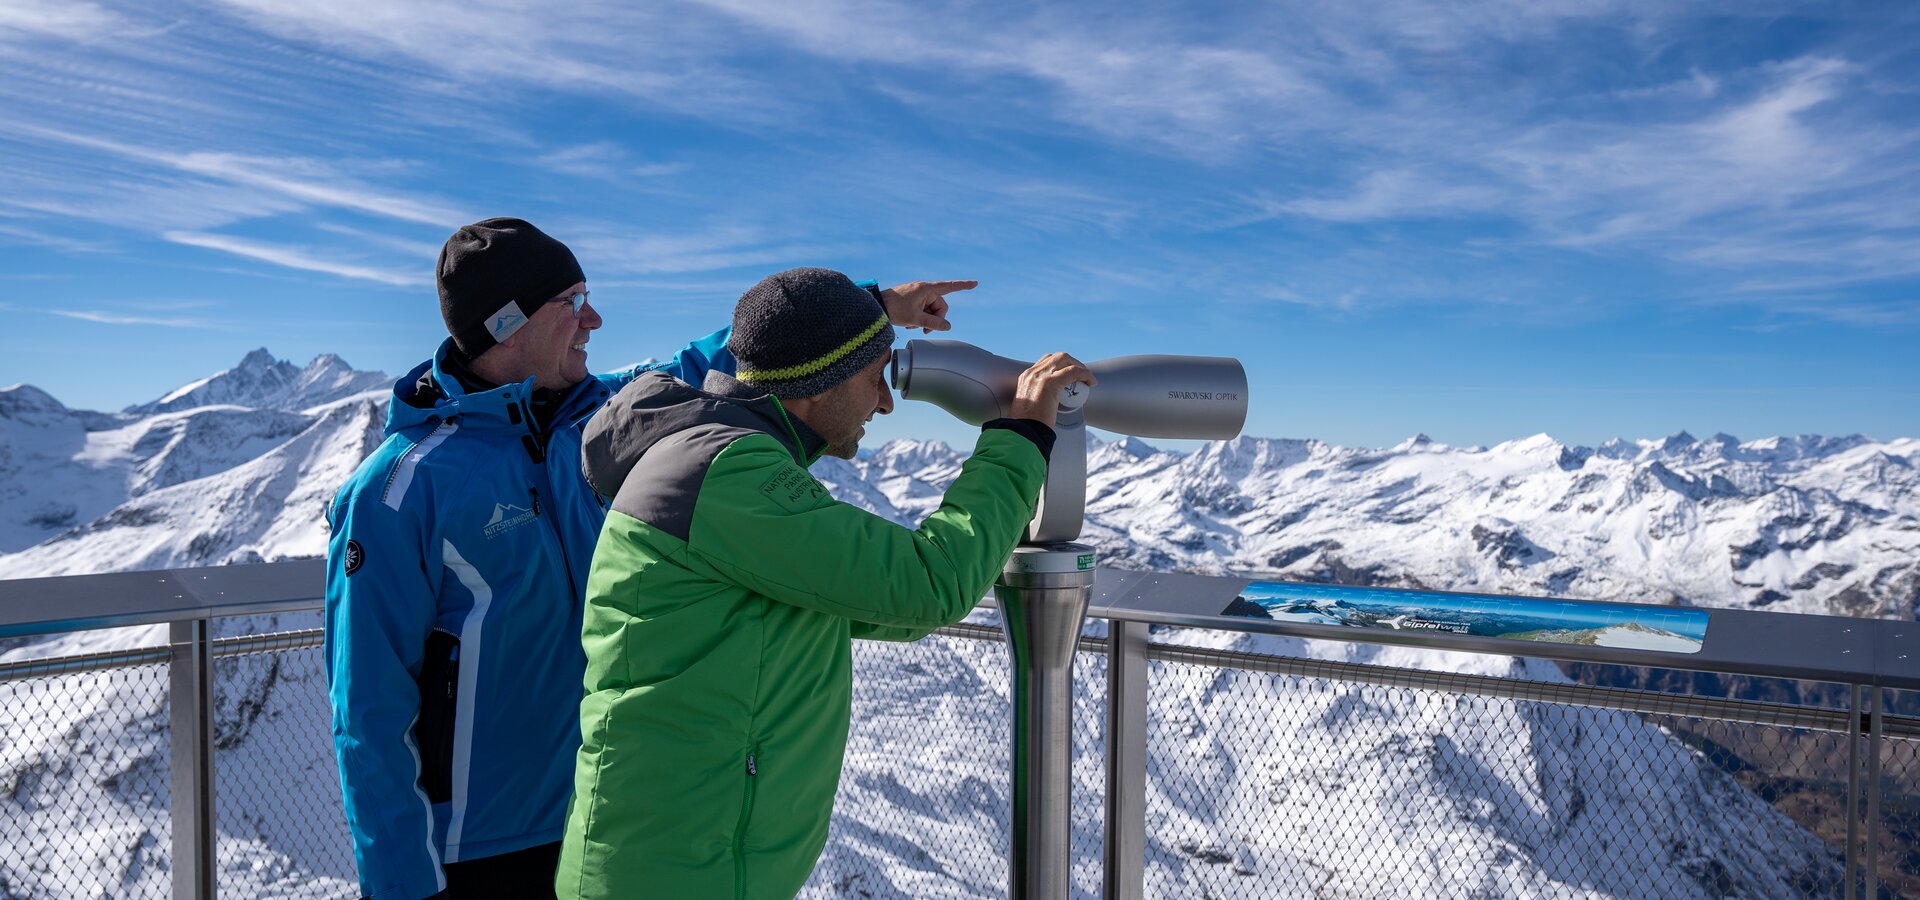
(355, 556)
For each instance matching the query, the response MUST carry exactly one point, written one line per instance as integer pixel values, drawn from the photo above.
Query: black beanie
(802, 331)
(494, 274)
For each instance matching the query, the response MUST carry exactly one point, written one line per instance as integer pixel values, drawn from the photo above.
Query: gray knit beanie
(802, 331)
(494, 274)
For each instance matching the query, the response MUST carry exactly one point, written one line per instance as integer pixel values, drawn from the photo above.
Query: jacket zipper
(740, 831)
(558, 528)
(541, 443)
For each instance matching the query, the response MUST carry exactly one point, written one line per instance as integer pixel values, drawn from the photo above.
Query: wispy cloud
(424, 251)
(44, 238)
(312, 181)
(61, 18)
(295, 258)
(616, 250)
(1398, 194)
(111, 318)
(1136, 78)
(605, 160)
(304, 180)
(667, 55)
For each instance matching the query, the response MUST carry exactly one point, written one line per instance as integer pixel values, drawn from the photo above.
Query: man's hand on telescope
(1036, 394)
(922, 304)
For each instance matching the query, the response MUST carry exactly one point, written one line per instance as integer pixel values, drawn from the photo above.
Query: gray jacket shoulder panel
(664, 488)
(649, 448)
(647, 410)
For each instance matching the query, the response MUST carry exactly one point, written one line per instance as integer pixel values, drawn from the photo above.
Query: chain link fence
(281, 829)
(922, 810)
(84, 785)
(1267, 785)
(1259, 785)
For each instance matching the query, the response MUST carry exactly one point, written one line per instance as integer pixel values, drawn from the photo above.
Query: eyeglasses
(577, 299)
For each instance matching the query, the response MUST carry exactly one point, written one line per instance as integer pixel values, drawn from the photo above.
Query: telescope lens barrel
(1195, 397)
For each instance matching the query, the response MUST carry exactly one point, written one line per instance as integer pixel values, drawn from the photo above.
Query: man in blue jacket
(455, 570)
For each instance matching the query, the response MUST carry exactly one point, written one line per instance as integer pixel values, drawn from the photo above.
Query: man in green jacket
(728, 584)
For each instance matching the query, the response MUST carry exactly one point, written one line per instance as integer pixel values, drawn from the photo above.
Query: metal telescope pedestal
(1043, 594)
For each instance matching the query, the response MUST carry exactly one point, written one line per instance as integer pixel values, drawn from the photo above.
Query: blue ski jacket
(456, 564)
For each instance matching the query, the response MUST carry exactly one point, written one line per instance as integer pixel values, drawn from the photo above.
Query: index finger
(947, 287)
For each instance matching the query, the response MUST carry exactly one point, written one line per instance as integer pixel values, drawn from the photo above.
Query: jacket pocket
(439, 697)
(740, 831)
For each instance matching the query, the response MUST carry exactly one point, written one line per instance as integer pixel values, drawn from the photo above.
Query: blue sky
(1477, 221)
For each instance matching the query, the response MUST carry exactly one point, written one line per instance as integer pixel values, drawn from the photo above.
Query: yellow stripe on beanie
(811, 366)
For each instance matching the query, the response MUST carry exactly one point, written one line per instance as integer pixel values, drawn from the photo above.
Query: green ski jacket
(725, 591)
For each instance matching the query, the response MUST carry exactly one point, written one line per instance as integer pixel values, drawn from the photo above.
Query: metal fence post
(1124, 877)
(190, 732)
(1872, 855)
(1043, 594)
(1853, 789)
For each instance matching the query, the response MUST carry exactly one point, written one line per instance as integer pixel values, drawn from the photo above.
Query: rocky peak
(23, 400)
(257, 359)
(1676, 443)
(261, 381)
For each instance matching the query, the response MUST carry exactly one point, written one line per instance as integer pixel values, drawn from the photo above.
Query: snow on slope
(1441, 795)
(62, 468)
(1802, 525)
(270, 507)
(1810, 524)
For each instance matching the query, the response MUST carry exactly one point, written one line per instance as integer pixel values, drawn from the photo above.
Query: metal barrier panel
(281, 829)
(84, 785)
(923, 800)
(1276, 785)
(922, 805)
(1089, 772)
(1803, 774)
(1259, 785)
(1897, 832)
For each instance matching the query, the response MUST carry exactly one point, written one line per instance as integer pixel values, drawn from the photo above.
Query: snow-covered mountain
(1807, 524)
(266, 431)
(1445, 797)
(262, 382)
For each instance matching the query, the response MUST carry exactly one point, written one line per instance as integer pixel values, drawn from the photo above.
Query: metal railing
(206, 766)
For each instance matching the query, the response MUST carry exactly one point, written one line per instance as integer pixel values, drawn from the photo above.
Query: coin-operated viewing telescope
(1045, 588)
(1198, 397)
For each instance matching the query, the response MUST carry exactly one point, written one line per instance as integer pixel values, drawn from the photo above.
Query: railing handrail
(1751, 712)
(64, 603)
(1849, 651)
(1839, 649)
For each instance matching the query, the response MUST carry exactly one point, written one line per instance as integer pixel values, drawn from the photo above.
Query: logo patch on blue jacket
(507, 517)
(355, 556)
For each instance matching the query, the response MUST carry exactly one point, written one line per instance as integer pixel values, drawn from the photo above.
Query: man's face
(843, 411)
(555, 340)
